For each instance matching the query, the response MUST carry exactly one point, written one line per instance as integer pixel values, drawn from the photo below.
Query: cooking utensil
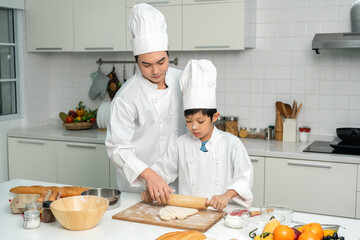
(112, 195)
(124, 74)
(349, 135)
(294, 108)
(289, 110)
(284, 110)
(279, 108)
(187, 201)
(298, 110)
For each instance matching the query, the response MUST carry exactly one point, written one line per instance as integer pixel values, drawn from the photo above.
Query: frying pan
(349, 135)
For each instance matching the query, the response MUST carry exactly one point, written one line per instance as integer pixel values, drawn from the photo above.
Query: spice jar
(262, 134)
(252, 133)
(31, 219)
(34, 206)
(220, 123)
(243, 133)
(47, 216)
(231, 125)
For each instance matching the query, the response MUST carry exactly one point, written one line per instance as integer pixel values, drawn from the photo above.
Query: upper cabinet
(99, 25)
(102, 25)
(49, 25)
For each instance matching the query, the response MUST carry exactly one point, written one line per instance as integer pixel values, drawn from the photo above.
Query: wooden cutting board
(148, 213)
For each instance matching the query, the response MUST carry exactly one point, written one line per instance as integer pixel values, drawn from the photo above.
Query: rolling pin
(187, 201)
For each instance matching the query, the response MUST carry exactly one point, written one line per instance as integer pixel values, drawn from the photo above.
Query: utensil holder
(290, 127)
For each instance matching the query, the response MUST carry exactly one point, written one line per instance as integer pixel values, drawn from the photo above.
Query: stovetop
(334, 147)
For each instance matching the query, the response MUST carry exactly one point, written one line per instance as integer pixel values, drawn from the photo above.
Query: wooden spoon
(284, 110)
(289, 110)
(294, 108)
(298, 110)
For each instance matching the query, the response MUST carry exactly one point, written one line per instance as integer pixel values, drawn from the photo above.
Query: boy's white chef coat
(143, 121)
(225, 166)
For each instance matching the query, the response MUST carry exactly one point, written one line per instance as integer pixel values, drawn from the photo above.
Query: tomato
(69, 119)
(315, 228)
(283, 232)
(309, 236)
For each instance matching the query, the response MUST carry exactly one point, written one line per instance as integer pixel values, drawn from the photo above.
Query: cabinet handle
(31, 142)
(99, 48)
(158, 2)
(308, 165)
(51, 48)
(80, 145)
(213, 46)
(254, 160)
(207, 0)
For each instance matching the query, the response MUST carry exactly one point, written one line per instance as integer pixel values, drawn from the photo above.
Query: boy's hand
(157, 187)
(219, 202)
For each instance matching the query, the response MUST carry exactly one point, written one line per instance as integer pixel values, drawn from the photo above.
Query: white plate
(98, 117)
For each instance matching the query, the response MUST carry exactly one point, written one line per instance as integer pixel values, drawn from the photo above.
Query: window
(9, 97)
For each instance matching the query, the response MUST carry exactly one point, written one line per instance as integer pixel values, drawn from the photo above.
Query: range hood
(336, 41)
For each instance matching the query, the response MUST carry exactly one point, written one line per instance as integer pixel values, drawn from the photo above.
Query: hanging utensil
(124, 73)
(134, 69)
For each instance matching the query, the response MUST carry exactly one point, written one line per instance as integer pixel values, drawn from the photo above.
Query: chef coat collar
(151, 85)
(214, 137)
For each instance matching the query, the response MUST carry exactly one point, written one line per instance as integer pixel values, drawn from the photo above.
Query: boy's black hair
(136, 57)
(208, 112)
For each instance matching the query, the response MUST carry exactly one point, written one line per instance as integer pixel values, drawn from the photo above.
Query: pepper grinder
(278, 127)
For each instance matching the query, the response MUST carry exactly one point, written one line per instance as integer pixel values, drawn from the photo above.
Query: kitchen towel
(99, 85)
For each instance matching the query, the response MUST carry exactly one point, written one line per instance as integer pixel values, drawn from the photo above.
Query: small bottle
(34, 206)
(220, 123)
(47, 216)
(252, 133)
(231, 125)
(262, 134)
(31, 219)
(243, 133)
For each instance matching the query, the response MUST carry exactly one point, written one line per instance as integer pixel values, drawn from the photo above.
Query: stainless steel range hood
(336, 41)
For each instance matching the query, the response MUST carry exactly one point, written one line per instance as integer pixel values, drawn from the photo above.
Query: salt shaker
(31, 219)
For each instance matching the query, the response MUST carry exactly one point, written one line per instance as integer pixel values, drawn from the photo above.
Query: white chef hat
(198, 84)
(148, 28)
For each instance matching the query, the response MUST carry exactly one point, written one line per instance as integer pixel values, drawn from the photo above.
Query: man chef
(146, 113)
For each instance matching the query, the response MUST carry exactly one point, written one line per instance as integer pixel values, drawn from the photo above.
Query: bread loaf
(182, 235)
(64, 191)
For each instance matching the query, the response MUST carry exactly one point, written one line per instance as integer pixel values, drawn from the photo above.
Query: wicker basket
(78, 126)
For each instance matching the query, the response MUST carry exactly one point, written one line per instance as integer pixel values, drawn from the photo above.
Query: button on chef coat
(135, 136)
(225, 166)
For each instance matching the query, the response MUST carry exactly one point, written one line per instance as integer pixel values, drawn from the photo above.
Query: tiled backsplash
(281, 67)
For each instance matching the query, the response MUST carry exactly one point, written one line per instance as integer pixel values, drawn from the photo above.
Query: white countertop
(108, 228)
(255, 147)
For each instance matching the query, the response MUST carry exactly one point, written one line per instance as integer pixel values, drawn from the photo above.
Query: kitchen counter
(255, 147)
(108, 228)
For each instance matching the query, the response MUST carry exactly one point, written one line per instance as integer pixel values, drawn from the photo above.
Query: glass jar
(243, 133)
(262, 134)
(231, 125)
(47, 216)
(34, 206)
(220, 123)
(31, 219)
(252, 133)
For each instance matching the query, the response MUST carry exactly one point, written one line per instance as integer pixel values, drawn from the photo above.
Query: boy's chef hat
(198, 84)
(148, 28)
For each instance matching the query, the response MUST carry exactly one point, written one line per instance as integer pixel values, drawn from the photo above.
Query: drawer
(131, 3)
(186, 2)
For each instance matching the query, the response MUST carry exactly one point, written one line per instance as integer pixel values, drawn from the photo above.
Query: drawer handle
(81, 145)
(308, 165)
(158, 2)
(254, 160)
(31, 142)
(54, 48)
(206, 0)
(99, 48)
(213, 46)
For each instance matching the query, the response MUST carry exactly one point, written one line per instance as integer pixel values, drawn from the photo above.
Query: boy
(208, 162)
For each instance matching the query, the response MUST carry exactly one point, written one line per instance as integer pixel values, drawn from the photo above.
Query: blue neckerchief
(203, 148)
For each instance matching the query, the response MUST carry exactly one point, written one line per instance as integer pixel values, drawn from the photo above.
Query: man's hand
(145, 196)
(219, 202)
(157, 187)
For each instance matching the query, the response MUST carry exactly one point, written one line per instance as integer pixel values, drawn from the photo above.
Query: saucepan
(113, 195)
(349, 135)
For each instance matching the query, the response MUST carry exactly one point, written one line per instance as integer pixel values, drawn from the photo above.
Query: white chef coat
(225, 166)
(143, 121)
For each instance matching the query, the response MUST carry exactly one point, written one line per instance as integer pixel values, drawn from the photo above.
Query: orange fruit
(315, 228)
(308, 236)
(283, 232)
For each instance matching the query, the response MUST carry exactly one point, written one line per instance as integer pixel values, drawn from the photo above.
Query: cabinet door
(311, 186)
(82, 164)
(113, 183)
(49, 25)
(32, 159)
(155, 3)
(217, 26)
(99, 25)
(258, 183)
(173, 16)
(358, 205)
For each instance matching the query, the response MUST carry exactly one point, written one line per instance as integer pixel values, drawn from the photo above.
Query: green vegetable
(63, 116)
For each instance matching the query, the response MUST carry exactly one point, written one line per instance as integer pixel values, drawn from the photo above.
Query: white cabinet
(172, 12)
(49, 25)
(311, 186)
(82, 164)
(358, 205)
(32, 159)
(215, 25)
(258, 183)
(99, 25)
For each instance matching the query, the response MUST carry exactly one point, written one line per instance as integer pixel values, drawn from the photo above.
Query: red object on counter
(304, 129)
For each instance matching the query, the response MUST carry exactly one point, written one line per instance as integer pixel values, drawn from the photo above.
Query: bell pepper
(93, 120)
(80, 109)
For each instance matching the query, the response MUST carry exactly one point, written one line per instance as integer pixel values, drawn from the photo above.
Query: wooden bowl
(78, 126)
(79, 212)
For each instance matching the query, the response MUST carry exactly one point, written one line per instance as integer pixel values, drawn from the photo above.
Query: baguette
(42, 197)
(36, 189)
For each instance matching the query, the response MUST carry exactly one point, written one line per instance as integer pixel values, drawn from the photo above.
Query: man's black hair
(208, 112)
(136, 57)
